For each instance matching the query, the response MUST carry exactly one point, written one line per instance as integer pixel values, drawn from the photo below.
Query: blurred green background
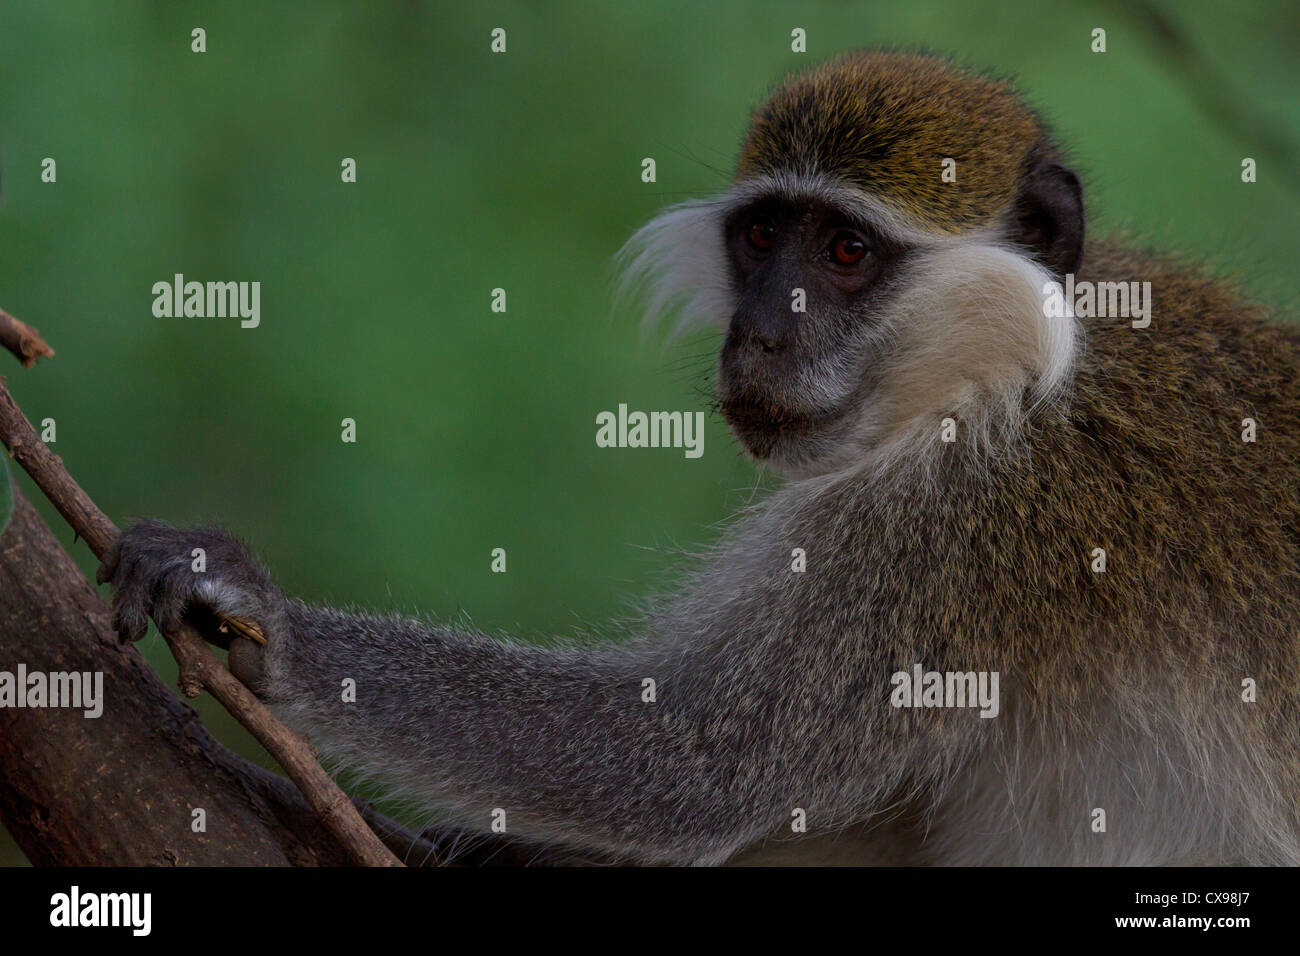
(475, 171)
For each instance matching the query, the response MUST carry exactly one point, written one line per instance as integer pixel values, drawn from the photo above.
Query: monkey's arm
(572, 744)
(554, 743)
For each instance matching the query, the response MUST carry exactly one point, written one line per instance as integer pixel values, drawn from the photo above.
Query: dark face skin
(787, 380)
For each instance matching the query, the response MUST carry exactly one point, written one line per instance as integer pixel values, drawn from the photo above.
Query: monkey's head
(878, 265)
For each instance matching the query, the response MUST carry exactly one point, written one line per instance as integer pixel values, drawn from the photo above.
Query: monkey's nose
(759, 332)
(765, 339)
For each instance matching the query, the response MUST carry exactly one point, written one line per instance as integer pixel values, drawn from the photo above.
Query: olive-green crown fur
(884, 122)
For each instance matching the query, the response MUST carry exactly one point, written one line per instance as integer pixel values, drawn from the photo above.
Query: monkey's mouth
(763, 424)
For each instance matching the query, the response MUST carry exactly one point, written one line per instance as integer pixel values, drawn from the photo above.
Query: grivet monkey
(980, 484)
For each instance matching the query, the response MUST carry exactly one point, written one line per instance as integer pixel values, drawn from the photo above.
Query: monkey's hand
(197, 575)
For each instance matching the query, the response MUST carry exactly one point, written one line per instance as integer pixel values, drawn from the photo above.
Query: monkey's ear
(1048, 217)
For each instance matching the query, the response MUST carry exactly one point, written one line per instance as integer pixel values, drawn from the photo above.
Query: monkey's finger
(244, 628)
(210, 625)
(245, 662)
(130, 620)
(173, 593)
(108, 567)
(132, 593)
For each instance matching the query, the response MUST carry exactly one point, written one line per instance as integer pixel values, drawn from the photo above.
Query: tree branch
(23, 340)
(120, 789)
(199, 668)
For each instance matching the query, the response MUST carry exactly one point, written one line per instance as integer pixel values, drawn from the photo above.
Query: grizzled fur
(884, 122)
(1120, 690)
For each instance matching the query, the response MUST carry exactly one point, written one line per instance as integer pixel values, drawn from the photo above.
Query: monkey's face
(810, 282)
(851, 332)
(879, 265)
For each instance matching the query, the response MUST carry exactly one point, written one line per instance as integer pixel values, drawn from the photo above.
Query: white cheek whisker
(676, 263)
(974, 344)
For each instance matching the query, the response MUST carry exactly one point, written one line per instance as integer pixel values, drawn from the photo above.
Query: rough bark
(199, 668)
(119, 789)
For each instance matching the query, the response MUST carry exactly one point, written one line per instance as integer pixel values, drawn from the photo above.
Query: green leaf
(6, 494)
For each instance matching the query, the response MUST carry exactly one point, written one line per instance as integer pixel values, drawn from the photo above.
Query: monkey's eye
(848, 249)
(762, 234)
